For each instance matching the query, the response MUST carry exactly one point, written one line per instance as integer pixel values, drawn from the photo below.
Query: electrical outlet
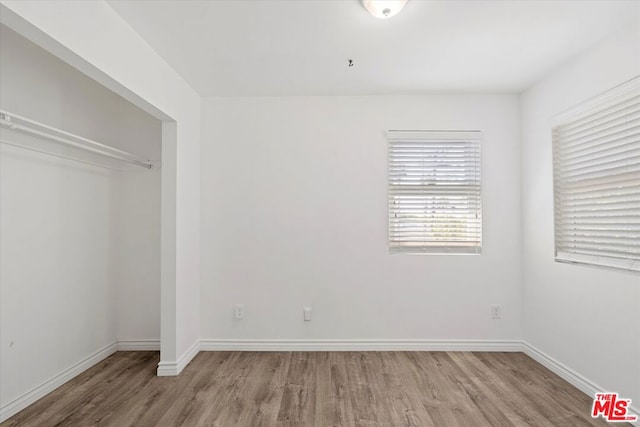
(307, 314)
(238, 311)
(495, 311)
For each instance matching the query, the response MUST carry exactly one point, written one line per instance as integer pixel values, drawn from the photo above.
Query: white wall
(137, 240)
(92, 37)
(585, 317)
(71, 234)
(294, 214)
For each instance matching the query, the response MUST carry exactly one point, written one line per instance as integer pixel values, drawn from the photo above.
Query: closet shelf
(32, 127)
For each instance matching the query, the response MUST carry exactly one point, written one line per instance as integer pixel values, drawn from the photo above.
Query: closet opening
(80, 219)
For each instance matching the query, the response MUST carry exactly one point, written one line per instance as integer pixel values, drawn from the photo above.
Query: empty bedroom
(319, 213)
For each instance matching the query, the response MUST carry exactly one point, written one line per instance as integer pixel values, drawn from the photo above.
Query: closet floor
(316, 389)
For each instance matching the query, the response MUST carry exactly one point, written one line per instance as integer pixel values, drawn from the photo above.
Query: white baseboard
(138, 345)
(563, 371)
(56, 381)
(169, 369)
(635, 410)
(577, 380)
(360, 345)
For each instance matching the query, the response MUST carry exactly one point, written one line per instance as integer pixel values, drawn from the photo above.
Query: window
(435, 205)
(596, 160)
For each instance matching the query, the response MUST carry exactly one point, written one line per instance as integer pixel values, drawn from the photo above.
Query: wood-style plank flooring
(316, 389)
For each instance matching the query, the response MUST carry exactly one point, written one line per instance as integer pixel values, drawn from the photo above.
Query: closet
(79, 219)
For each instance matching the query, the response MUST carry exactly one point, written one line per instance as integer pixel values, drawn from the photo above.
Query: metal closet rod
(22, 124)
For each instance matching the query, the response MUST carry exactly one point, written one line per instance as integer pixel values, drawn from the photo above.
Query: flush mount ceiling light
(384, 9)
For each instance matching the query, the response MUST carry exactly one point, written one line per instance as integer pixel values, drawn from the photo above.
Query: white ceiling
(301, 47)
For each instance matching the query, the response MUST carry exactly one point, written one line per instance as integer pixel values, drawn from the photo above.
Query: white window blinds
(596, 155)
(435, 203)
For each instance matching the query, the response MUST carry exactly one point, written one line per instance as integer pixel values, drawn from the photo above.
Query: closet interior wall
(79, 244)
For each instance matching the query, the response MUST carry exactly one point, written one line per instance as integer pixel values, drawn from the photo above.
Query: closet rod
(29, 126)
(61, 156)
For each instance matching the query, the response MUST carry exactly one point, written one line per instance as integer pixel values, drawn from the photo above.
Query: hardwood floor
(316, 389)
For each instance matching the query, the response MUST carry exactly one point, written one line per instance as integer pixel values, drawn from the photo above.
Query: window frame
(593, 105)
(446, 248)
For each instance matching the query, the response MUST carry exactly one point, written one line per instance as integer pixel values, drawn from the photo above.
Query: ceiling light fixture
(384, 9)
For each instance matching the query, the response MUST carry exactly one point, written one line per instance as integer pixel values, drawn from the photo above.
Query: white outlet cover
(238, 312)
(495, 312)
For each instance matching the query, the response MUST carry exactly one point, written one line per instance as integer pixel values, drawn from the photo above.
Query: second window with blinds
(435, 199)
(596, 161)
